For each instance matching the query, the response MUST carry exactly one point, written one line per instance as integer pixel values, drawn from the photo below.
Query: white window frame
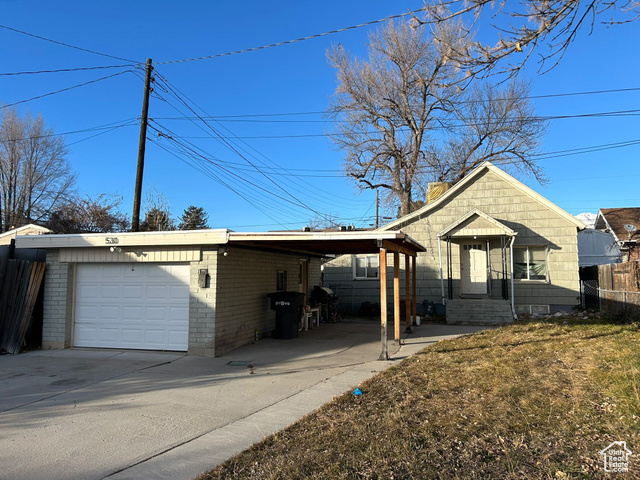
(528, 257)
(368, 257)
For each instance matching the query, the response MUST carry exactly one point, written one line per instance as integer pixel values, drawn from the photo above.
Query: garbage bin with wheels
(288, 308)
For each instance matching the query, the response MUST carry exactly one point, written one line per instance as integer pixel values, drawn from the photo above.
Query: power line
(288, 42)
(205, 171)
(192, 150)
(219, 138)
(291, 180)
(111, 129)
(107, 126)
(612, 114)
(324, 112)
(232, 147)
(60, 70)
(64, 89)
(65, 44)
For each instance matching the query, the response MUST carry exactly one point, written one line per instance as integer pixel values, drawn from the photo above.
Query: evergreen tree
(194, 218)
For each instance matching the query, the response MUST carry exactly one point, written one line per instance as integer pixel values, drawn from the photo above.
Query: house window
(365, 267)
(530, 263)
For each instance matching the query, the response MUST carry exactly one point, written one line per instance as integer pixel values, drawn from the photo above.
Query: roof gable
(30, 229)
(476, 223)
(472, 177)
(614, 220)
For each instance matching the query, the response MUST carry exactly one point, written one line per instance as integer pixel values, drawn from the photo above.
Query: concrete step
(478, 312)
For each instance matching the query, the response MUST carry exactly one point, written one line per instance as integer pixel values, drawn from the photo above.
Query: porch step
(479, 312)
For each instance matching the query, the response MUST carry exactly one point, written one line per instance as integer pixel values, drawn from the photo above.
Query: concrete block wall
(58, 303)
(245, 277)
(202, 305)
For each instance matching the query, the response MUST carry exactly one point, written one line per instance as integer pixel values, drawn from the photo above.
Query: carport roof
(316, 243)
(325, 243)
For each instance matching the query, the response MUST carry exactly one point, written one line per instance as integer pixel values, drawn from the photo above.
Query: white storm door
(473, 268)
(138, 306)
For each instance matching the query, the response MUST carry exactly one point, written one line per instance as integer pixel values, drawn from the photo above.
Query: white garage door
(124, 305)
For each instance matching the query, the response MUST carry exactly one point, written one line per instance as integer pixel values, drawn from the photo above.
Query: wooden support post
(384, 355)
(407, 292)
(396, 297)
(413, 288)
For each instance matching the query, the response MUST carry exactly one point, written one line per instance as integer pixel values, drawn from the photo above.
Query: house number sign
(111, 240)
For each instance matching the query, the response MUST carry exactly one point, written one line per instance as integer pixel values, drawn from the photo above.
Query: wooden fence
(619, 286)
(20, 282)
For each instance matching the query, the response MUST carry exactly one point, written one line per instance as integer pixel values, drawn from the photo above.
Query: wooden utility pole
(135, 219)
(377, 204)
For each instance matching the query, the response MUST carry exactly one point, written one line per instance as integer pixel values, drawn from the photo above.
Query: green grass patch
(535, 400)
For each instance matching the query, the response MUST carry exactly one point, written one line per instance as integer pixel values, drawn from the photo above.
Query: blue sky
(249, 93)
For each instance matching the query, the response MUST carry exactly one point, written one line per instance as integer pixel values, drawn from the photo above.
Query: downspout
(441, 277)
(513, 305)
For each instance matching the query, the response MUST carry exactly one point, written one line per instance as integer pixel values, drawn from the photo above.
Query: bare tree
(410, 114)
(35, 175)
(89, 215)
(157, 216)
(525, 27)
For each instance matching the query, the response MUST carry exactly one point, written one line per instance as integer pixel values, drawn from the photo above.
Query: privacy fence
(619, 287)
(21, 275)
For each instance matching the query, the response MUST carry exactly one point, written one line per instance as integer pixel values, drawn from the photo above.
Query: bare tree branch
(431, 120)
(550, 26)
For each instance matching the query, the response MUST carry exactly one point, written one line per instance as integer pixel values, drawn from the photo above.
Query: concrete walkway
(95, 414)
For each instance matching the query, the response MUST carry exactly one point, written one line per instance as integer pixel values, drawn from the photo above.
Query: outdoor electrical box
(203, 278)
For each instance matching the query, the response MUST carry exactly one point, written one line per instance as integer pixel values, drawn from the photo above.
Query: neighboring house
(597, 247)
(31, 229)
(495, 248)
(203, 291)
(624, 225)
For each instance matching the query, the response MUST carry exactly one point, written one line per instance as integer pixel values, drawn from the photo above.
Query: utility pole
(135, 219)
(377, 218)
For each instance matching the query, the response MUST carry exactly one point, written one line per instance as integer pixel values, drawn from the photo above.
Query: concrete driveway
(94, 414)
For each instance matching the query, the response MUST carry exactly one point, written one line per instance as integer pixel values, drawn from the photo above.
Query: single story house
(30, 229)
(495, 248)
(204, 291)
(624, 225)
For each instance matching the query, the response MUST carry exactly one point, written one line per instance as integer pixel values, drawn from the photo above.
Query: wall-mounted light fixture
(115, 249)
(224, 252)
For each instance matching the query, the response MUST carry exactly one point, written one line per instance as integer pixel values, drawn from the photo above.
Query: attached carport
(355, 243)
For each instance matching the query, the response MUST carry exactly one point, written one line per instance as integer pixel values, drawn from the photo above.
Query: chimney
(343, 228)
(306, 229)
(435, 189)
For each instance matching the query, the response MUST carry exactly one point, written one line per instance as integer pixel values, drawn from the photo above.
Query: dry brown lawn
(534, 400)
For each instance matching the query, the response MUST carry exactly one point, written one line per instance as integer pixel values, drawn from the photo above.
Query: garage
(132, 305)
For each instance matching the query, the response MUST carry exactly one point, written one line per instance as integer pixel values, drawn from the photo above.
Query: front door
(473, 269)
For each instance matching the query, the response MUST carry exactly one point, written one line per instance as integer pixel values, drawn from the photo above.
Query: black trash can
(288, 307)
